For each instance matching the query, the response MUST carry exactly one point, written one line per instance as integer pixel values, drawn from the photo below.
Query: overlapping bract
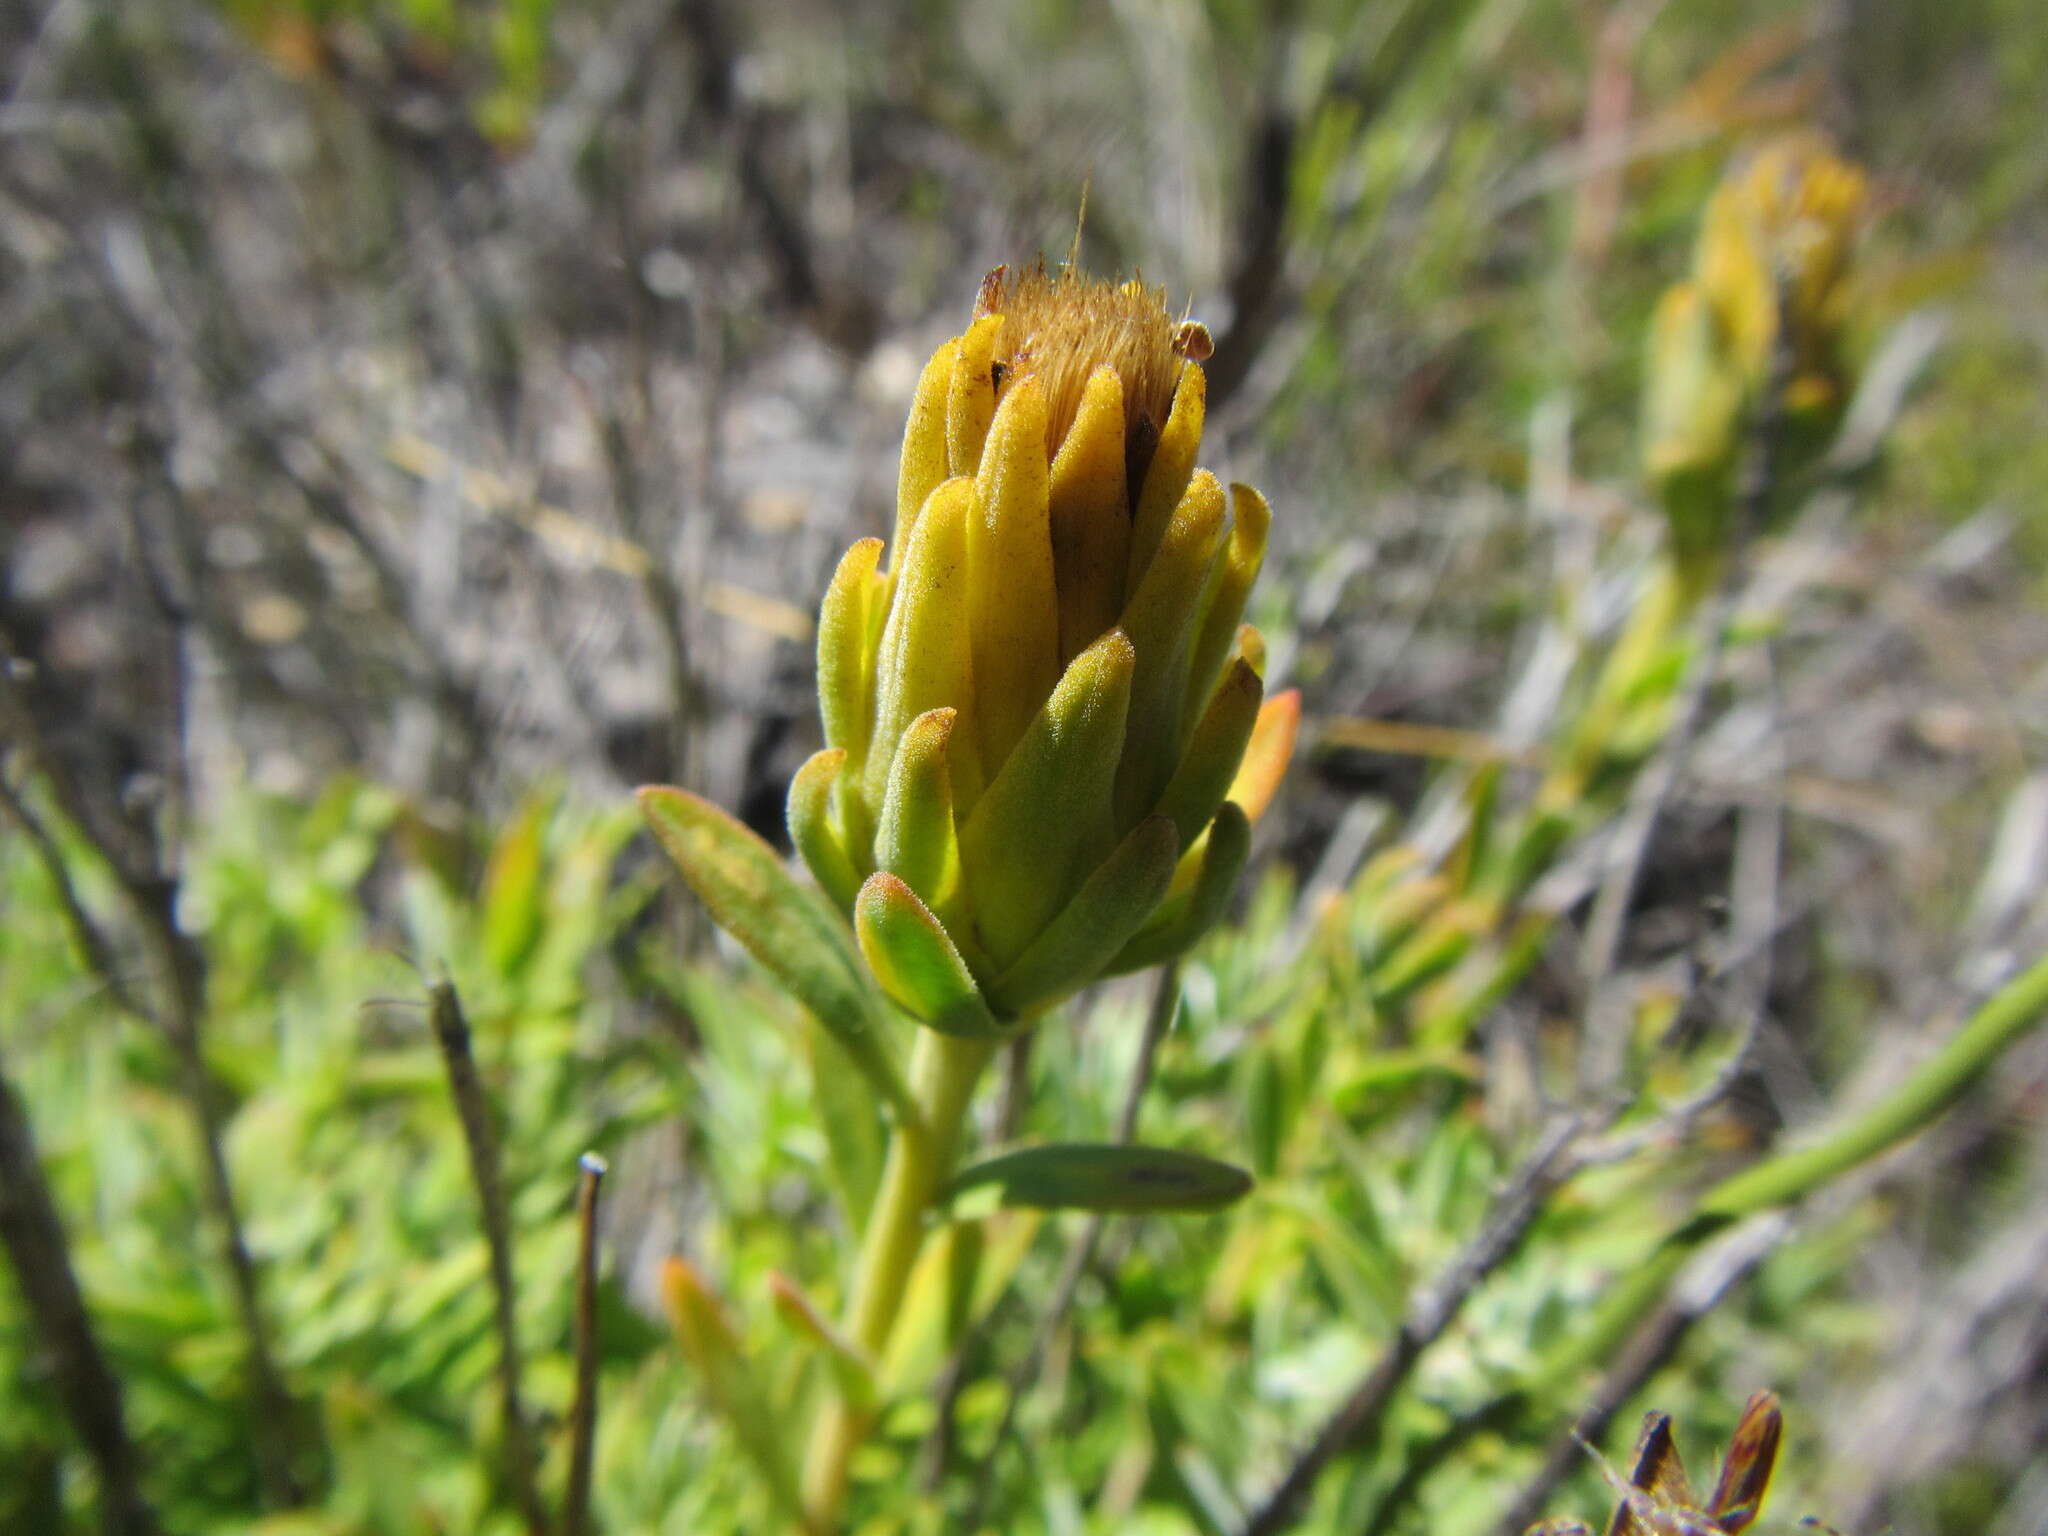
(1035, 712)
(1772, 259)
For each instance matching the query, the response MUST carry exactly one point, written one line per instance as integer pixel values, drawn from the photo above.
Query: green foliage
(1205, 1350)
(1100, 1177)
(496, 59)
(1339, 1041)
(356, 1195)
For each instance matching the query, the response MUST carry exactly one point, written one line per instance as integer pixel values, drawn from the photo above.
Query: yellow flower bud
(1036, 706)
(1771, 261)
(1774, 251)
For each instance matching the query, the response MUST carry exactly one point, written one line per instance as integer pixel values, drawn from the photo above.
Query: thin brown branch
(1747, 967)
(94, 948)
(274, 1432)
(175, 1007)
(1629, 847)
(829, 300)
(1599, 1062)
(1421, 1462)
(583, 1414)
(1655, 1342)
(1759, 857)
(1548, 1165)
(1016, 1093)
(451, 1032)
(33, 1236)
(1255, 286)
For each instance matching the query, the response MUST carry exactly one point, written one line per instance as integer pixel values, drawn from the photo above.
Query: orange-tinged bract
(1037, 700)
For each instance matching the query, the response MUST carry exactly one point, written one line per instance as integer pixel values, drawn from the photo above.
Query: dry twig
(1548, 1165)
(583, 1414)
(33, 1235)
(451, 1032)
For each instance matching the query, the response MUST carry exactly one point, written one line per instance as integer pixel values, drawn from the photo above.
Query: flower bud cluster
(1036, 707)
(1757, 326)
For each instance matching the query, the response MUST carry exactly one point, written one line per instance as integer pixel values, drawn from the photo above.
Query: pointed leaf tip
(754, 898)
(814, 829)
(916, 961)
(852, 1371)
(1267, 755)
(788, 927)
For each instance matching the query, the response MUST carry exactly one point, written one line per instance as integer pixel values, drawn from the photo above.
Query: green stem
(1657, 623)
(1776, 1181)
(922, 1151)
(1579, 781)
(1937, 1083)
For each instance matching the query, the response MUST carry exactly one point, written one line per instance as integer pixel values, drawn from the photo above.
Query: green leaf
(1160, 619)
(1183, 919)
(734, 1383)
(786, 927)
(1385, 1076)
(1111, 906)
(852, 1123)
(916, 840)
(1230, 582)
(511, 898)
(849, 625)
(916, 963)
(925, 655)
(926, 1324)
(1084, 1176)
(852, 1372)
(1206, 769)
(811, 827)
(1046, 816)
(1264, 1090)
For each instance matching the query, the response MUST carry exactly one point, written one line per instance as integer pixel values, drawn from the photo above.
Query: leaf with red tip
(916, 961)
(852, 1372)
(735, 1389)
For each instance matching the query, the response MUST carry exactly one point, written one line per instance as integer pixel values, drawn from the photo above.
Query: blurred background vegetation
(424, 421)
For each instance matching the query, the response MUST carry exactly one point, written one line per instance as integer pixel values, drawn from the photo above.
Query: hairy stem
(1158, 1019)
(943, 1073)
